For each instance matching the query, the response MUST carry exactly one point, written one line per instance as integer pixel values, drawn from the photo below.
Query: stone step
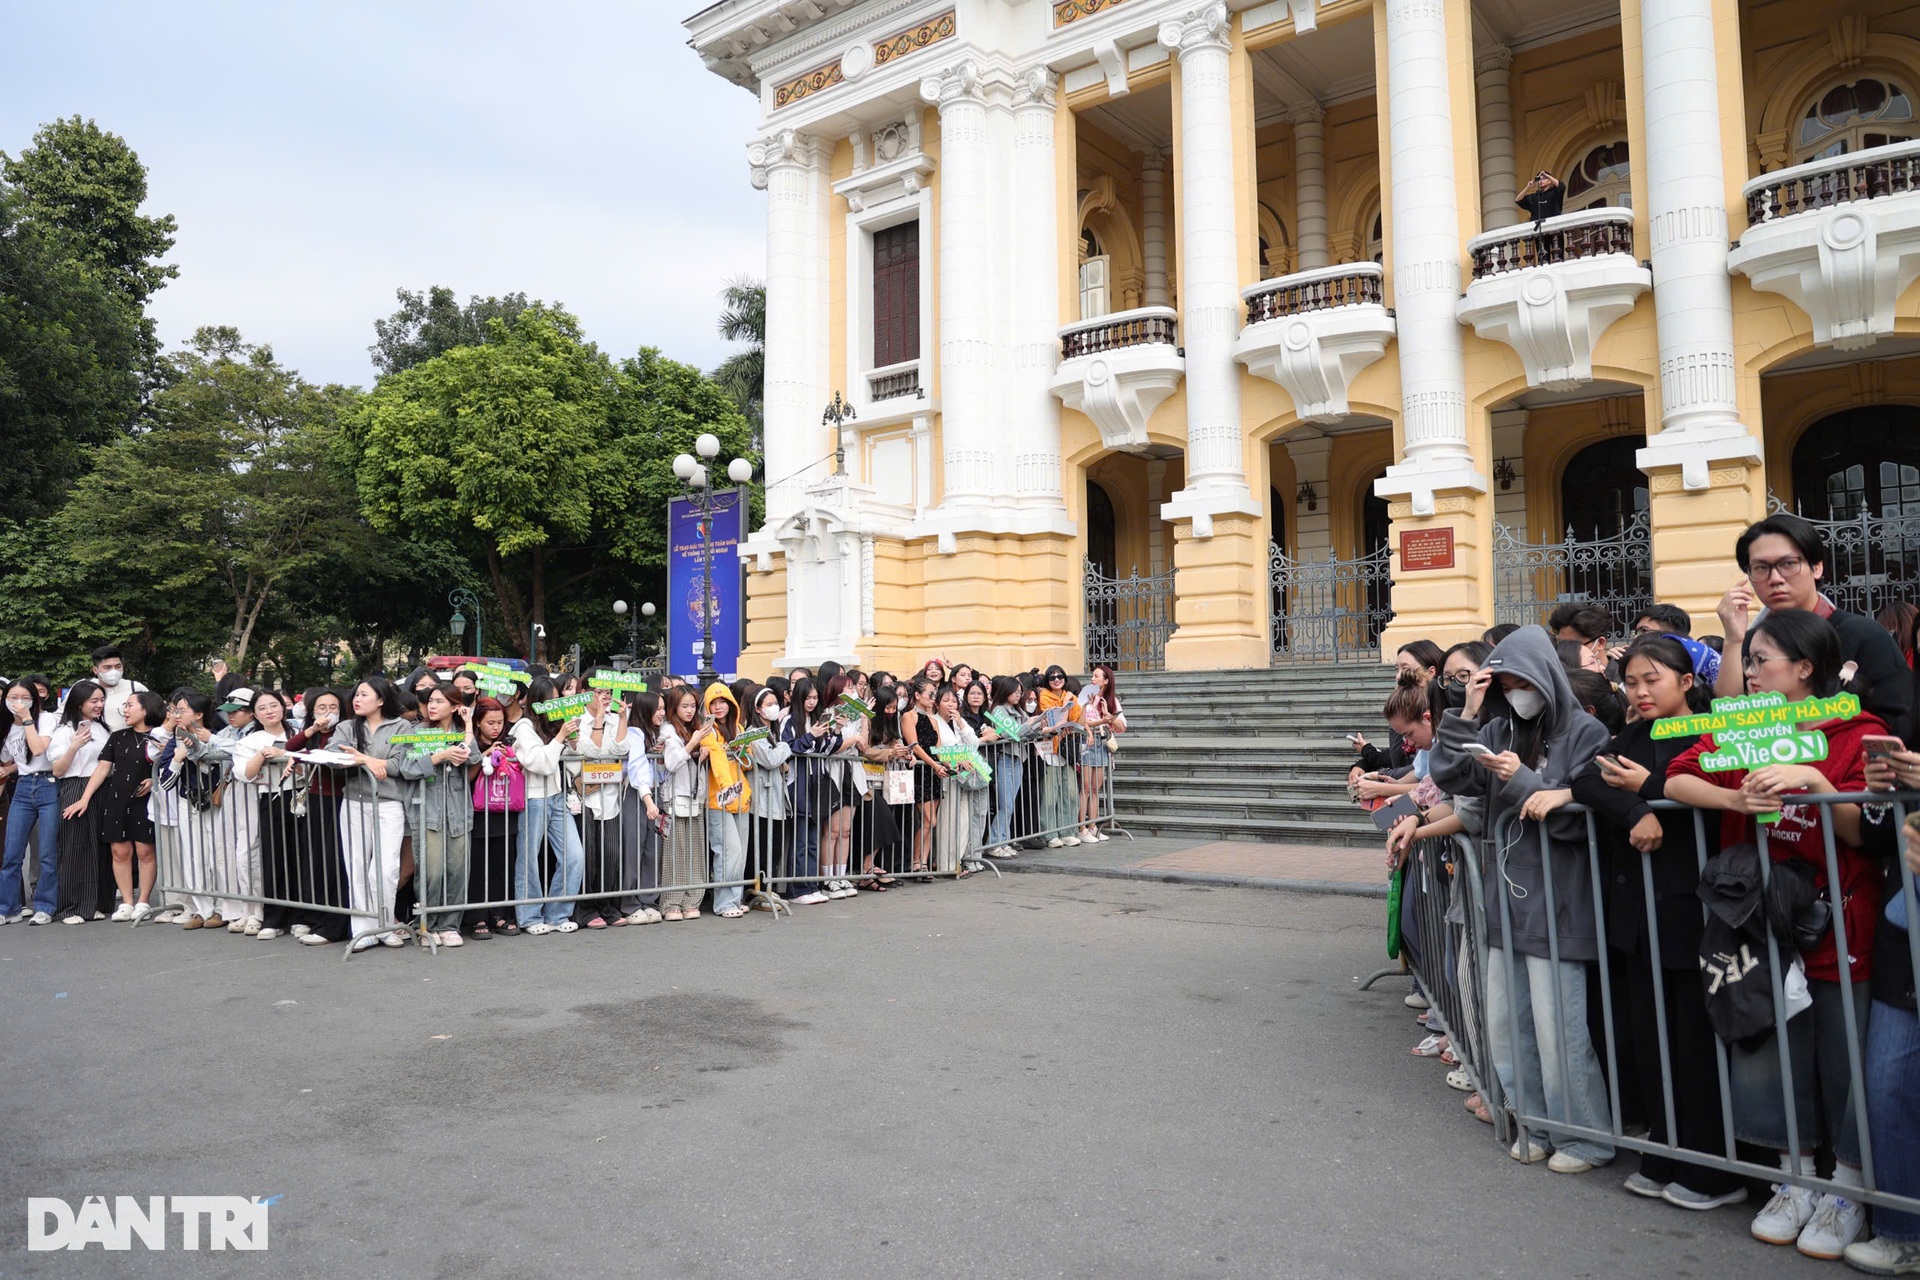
(1325, 787)
(1229, 805)
(1365, 840)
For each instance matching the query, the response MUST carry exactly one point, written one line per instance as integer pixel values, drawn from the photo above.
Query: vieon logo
(232, 1222)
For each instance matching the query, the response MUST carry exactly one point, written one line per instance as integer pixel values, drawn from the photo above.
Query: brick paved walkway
(1309, 868)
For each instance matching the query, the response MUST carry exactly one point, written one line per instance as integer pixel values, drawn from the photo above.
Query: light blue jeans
(1006, 790)
(1531, 1070)
(727, 838)
(547, 819)
(1893, 1114)
(36, 799)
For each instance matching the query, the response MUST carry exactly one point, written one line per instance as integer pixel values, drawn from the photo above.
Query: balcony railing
(1318, 289)
(894, 382)
(1566, 238)
(1143, 326)
(1864, 175)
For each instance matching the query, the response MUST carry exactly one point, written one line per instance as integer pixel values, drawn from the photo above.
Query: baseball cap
(240, 699)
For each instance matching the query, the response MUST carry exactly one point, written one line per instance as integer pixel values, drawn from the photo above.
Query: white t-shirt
(114, 713)
(81, 766)
(274, 775)
(16, 748)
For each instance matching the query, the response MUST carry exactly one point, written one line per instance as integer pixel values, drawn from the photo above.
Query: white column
(1498, 182)
(1686, 210)
(1309, 184)
(1426, 260)
(967, 346)
(1209, 272)
(1032, 436)
(1153, 218)
(792, 169)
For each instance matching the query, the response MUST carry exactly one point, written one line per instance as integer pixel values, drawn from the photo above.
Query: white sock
(1848, 1177)
(1786, 1162)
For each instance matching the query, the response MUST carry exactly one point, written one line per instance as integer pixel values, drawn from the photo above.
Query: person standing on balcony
(1543, 199)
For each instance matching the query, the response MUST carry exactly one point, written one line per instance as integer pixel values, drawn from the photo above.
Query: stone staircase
(1255, 755)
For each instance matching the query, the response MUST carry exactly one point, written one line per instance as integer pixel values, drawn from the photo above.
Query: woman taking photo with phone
(1100, 712)
(373, 821)
(439, 804)
(264, 782)
(684, 748)
(122, 781)
(1059, 794)
(320, 874)
(500, 797)
(35, 804)
(1658, 675)
(75, 750)
(1796, 654)
(547, 827)
(918, 731)
(603, 784)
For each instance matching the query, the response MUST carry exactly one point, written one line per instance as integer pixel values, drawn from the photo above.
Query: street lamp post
(464, 600)
(693, 472)
(620, 610)
(838, 414)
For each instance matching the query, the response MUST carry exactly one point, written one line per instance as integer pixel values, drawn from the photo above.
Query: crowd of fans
(478, 815)
(1496, 738)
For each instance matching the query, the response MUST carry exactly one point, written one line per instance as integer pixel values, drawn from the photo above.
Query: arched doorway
(1603, 488)
(1100, 529)
(1856, 474)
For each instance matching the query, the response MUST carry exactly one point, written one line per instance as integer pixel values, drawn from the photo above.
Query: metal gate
(1326, 610)
(1128, 619)
(1613, 573)
(1876, 559)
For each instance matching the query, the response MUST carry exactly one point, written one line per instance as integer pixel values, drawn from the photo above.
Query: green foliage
(434, 324)
(743, 375)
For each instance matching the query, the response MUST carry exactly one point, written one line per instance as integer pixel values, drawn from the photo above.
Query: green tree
(70, 347)
(743, 375)
(232, 492)
(433, 324)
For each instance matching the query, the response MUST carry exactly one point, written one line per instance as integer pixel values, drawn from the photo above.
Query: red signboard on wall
(1426, 549)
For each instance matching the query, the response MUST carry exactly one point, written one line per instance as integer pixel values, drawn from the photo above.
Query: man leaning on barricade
(1685, 944)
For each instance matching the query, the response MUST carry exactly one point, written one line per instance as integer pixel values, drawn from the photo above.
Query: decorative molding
(808, 84)
(866, 584)
(784, 148)
(1451, 504)
(1069, 11)
(1848, 36)
(828, 35)
(1037, 88)
(957, 84)
(1845, 266)
(1606, 105)
(1208, 27)
(1492, 57)
(1680, 226)
(1306, 112)
(915, 38)
(1402, 12)
(1717, 478)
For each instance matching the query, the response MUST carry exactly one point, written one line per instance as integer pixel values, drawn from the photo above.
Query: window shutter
(896, 294)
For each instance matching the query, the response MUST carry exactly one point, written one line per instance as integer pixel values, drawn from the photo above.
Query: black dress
(123, 808)
(926, 783)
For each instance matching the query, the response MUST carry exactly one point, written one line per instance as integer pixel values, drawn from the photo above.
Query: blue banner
(686, 584)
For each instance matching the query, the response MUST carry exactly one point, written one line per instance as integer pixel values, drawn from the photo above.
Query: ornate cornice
(1037, 88)
(1308, 112)
(1066, 11)
(1208, 27)
(958, 83)
(915, 38)
(807, 84)
(776, 150)
(1492, 57)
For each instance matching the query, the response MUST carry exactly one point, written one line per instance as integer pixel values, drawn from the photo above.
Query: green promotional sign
(561, 708)
(619, 681)
(1755, 730)
(431, 737)
(498, 671)
(494, 687)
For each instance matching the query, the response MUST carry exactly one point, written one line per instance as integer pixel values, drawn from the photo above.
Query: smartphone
(1881, 745)
(1354, 738)
(1478, 749)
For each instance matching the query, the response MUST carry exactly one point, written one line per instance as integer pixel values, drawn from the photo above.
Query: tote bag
(502, 791)
(899, 787)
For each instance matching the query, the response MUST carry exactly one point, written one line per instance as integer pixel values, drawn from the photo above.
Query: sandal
(731, 913)
(480, 930)
(617, 921)
(596, 923)
(508, 927)
(873, 884)
(881, 880)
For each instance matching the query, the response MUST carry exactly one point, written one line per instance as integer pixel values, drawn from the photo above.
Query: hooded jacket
(1523, 850)
(727, 786)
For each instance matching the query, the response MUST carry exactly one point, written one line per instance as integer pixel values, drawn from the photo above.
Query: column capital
(959, 83)
(1207, 27)
(1308, 112)
(1037, 89)
(1493, 56)
(784, 149)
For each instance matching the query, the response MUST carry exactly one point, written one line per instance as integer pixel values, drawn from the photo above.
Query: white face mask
(108, 679)
(1527, 703)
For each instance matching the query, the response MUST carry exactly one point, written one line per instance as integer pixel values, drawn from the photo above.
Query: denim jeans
(36, 799)
(1006, 790)
(1892, 1073)
(1531, 1069)
(547, 823)
(1822, 1081)
(805, 855)
(727, 838)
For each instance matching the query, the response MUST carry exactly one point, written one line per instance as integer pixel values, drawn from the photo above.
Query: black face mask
(1456, 695)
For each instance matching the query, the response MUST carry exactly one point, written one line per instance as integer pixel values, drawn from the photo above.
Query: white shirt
(114, 713)
(640, 770)
(16, 749)
(81, 766)
(274, 775)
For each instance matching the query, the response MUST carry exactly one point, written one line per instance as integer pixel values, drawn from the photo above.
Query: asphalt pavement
(1045, 1075)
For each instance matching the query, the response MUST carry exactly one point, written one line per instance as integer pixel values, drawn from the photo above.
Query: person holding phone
(35, 804)
(1659, 674)
(322, 874)
(439, 806)
(607, 868)
(264, 782)
(72, 755)
(684, 748)
(1533, 738)
(546, 824)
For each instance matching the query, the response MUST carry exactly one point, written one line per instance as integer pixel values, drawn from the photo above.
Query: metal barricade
(1443, 941)
(1698, 1117)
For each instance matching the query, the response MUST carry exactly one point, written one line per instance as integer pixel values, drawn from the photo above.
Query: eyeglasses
(1762, 660)
(1651, 630)
(1460, 677)
(1787, 567)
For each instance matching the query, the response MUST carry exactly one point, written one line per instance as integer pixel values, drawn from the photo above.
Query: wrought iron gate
(1325, 610)
(1876, 559)
(1128, 619)
(1613, 573)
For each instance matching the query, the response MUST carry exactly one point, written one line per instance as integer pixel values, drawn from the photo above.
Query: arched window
(1602, 489)
(1861, 461)
(1601, 179)
(1101, 533)
(1096, 273)
(1853, 117)
(1375, 250)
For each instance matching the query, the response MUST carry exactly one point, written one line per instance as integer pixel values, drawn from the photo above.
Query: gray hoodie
(1571, 738)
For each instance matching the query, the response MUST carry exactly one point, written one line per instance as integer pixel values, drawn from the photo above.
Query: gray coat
(1520, 849)
(438, 797)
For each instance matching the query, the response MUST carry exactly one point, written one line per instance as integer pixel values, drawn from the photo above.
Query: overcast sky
(318, 157)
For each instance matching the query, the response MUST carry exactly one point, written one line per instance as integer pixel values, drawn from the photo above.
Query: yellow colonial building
(1206, 335)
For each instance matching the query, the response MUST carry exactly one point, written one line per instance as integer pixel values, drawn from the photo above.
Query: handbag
(502, 791)
(898, 788)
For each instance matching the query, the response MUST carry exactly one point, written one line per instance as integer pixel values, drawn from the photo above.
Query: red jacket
(1799, 834)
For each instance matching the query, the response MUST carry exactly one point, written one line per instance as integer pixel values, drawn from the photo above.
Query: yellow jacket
(727, 785)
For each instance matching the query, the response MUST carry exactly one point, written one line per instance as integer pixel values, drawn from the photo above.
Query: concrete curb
(1212, 880)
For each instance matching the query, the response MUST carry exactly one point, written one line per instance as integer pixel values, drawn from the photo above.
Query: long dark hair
(389, 706)
(1425, 652)
(1112, 694)
(541, 689)
(1803, 637)
(1661, 647)
(673, 698)
(77, 699)
(728, 721)
(644, 706)
(1005, 688)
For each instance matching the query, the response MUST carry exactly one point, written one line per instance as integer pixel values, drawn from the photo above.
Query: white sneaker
(839, 889)
(73, 920)
(393, 938)
(1641, 1185)
(847, 890)
(366, 942)
(1561, 1162)
(139, 911)
(1534, 1153)
(312, 939)
(813, 899)
(172, 915)
(1881, 1257)
(451, 938)
(1053, 844)
(40, 917)
(642, 916)
(300, 931)
(1781, 1221)
(121, 914)
(1837, 1222)
(1414, 1000)
(265, 934)
(1687, 1198)
(1071, 840)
